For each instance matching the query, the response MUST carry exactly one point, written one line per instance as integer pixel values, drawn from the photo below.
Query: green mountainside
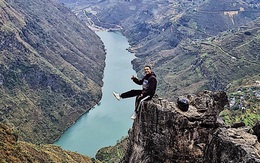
(14, 151)
(244, 102)
(51, 68)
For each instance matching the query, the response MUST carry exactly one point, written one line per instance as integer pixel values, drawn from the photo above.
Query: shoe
(117, 95)
(133, 116)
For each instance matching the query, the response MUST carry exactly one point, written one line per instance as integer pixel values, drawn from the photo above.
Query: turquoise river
(108, 122)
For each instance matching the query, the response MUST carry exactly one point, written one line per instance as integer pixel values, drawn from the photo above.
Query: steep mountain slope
(51, 68)
(12, 150)
(177, 39)
(211, 63)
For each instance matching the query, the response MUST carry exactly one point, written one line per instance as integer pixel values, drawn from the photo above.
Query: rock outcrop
(164, 133)
(232, 145)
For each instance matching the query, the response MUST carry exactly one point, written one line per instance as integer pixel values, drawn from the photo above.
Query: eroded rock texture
(163, 133)
(256, 130)
(233, 145)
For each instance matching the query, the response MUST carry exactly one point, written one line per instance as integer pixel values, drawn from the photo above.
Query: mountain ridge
(51, 68)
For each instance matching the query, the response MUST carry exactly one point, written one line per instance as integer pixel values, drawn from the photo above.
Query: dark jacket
(149, 83)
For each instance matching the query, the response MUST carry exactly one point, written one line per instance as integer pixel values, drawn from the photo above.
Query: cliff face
(164, 133)
(233, 145)
(51, 68)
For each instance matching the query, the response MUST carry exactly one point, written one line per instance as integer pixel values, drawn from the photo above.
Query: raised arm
(136, 80)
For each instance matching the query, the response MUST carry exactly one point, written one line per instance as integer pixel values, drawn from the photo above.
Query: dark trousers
(133, 93)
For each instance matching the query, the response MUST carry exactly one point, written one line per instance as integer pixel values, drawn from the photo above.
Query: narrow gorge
(52, 69)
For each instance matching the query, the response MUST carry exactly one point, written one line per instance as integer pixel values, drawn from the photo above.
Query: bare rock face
(164, 133)
(233, 145)
(256, 129)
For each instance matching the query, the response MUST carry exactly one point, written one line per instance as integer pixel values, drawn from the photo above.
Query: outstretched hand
(133, 77)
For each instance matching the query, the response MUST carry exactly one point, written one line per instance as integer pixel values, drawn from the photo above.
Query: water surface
(110, 121)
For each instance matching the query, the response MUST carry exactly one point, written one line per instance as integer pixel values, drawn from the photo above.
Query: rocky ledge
(164, 133)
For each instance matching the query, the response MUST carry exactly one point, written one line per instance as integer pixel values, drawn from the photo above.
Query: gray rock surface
(163, 133)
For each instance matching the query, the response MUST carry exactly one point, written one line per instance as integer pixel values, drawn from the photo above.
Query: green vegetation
(7, 27)
(244, 95)
(12, 150)
(112, 154)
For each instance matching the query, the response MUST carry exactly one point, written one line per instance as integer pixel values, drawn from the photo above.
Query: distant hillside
(12, 150)
(51, 68)
(244, 101)
(188, 43)
(211, 63)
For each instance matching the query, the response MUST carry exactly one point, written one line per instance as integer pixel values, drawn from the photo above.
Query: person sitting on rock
(148, 83)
